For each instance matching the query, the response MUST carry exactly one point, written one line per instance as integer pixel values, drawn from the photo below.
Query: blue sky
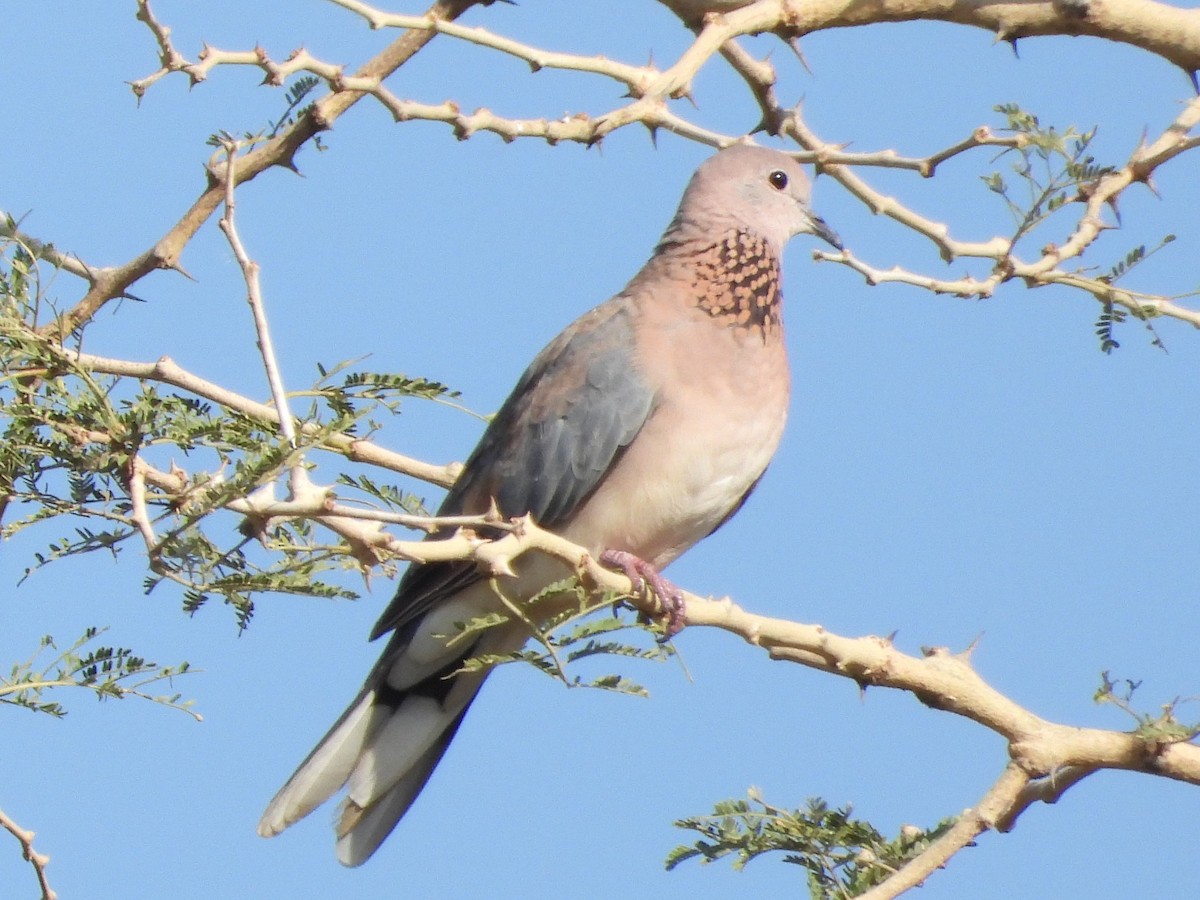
(952, 469)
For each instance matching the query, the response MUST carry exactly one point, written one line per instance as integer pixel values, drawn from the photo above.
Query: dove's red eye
(778, 179)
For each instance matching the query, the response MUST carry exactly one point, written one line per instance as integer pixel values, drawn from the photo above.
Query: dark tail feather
(383, 748)
(360, 830)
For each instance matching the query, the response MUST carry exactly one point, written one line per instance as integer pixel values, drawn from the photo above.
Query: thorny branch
(652, 91)
(1046, 758)
(972, 823)
(39, 861)
(1058, 755)
(166, 371)
(106, 284)
(1054, 756)
(1176, 139)
(940, 679)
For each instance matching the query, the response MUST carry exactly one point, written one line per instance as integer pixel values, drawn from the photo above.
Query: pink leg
(643, 575)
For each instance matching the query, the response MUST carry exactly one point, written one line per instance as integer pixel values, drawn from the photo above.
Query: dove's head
(753, 188)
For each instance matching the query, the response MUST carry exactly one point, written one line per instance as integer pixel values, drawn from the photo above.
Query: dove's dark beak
(825, 233)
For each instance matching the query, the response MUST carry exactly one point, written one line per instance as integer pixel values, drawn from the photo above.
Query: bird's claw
(643, 575)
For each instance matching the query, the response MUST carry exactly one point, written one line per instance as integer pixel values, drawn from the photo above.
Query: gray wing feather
(577, 407)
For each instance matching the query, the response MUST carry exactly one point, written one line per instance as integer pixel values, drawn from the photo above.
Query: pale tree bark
(1045, 758)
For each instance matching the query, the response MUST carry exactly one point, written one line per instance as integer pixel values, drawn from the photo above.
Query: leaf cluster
(1158, 728)
(585, 627)
(100, 455)
(1109, 314)
(109, 672)
(843, 856)
(1054, 167)
(294, 108)
(351, 400)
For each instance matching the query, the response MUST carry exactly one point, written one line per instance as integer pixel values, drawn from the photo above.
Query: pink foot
(642, 574)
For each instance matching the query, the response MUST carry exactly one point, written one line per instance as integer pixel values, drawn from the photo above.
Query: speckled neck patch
(737, 282)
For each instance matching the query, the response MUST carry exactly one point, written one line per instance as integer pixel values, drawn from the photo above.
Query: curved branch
(633, 77)
(167, 371)
(1046, 790)
(109, 283)
(39, 861)
(983, 817)
(652, 89)
(1176, 139)
(1166, 31)
(943, 680)
(939, 679)
(950, 248)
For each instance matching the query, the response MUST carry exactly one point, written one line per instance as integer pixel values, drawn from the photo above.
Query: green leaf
(113, 673)
(842, 856)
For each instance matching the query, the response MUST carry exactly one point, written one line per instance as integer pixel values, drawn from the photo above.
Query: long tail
(384, 747)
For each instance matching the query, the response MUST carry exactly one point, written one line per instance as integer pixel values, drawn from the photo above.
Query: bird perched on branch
(638, 431)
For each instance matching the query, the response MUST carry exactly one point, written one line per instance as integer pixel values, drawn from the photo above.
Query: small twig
(967, 286)
(938, 232)
(306, 509)
(1140, 304)
(281, 150)
(166, 371)
(974, 822)
(250, 272)
(118, 690)
(10, 229)
(39, 861)
(137, 501)
(1047, 789)
(169, 58)
(1140, 167)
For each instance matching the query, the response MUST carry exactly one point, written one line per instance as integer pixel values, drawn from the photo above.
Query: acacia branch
(39, 861)
(1141, 304)
(1044, 790)
(1175, 140)
(966, 286)
(1000, 797)
(1059, 755)
(1047, 757)
(650, 87)
(167, 371)
(1155, 27)
(939, 679)
(109, 283)
(1139, 168)
(760, 77)
(250, 273)
(635, 78)
(1166, 31)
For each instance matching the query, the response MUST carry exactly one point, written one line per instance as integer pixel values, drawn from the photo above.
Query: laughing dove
(638, 431)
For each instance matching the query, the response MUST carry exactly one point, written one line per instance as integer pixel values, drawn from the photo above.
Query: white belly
(709, 439)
